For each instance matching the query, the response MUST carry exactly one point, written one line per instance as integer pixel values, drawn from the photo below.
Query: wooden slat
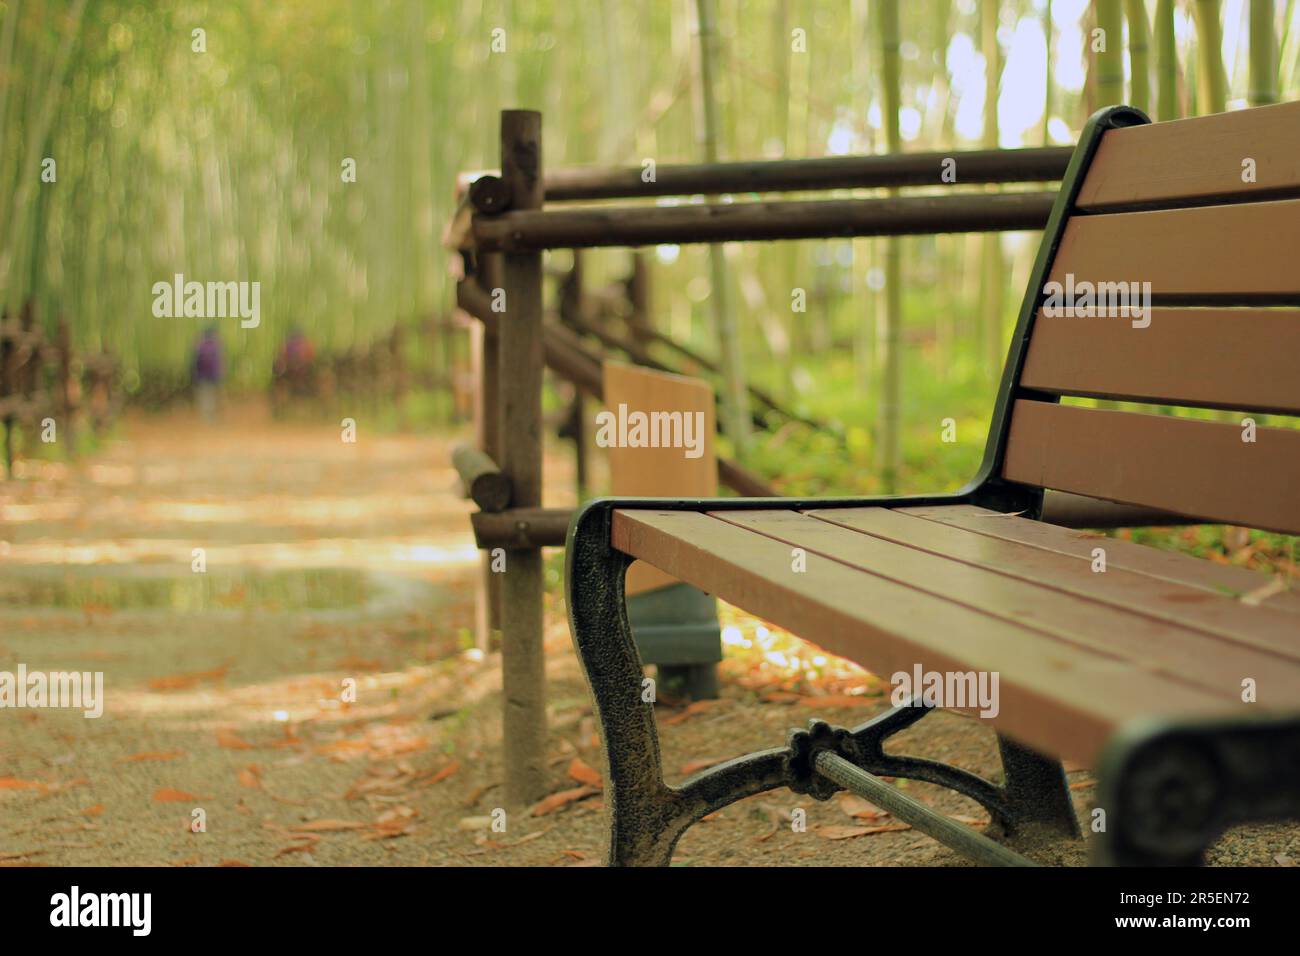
(659, 472)
(1068, 568)
(1053, 695)
(1180, 653)
(1244, 359)
(1242, 253)
(1196, 159)
(1192, 467)
(1156, 563)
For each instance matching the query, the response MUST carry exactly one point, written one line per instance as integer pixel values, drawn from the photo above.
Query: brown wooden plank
(1148, 643)
(1209, 612)
(1252, 588)
(1193, 467)
(1243, 252)
(1244, 359)
(1053, 695)
(660, 472)
(1197, 159)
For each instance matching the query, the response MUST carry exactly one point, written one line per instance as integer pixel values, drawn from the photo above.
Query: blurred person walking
(207, 374)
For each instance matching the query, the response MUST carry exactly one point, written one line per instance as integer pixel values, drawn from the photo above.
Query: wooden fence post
(575, 427)
(68, 388)
(487, 426)
(522, 363)
(638, 293)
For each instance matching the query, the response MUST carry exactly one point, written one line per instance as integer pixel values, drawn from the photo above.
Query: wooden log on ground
(595, 226)
(482, 478)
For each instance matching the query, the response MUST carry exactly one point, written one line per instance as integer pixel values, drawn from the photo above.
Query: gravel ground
(329, 563)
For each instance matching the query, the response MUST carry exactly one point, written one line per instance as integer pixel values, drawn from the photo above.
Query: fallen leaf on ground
(232, 741)
(327, 826)
(440, 775)
(563, 798)
(530, 837)
(692, 710)
(478, 793)
(859, 809)
(295, 848)
(583, 773)
(13, 783)
(94, 811)
(343, 749)
(170, 795)
(251, 776)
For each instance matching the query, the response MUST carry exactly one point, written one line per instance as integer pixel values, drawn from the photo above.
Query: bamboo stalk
(1211, 81)
(1166, 62)
(993, 270)
(1139, 57)
(735, 400)
(889, 453)
(1263, 54)
(1109, 59)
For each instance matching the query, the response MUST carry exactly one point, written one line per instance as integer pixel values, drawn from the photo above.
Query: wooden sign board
(658, 430)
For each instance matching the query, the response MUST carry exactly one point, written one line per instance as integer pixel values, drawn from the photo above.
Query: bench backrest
(1207, 212)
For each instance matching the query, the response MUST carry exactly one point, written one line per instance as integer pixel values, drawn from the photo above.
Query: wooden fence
(45, 385)
(500, 230)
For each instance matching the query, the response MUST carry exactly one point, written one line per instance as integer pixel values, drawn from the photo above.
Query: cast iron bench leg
(1037, 791)
(647, 816)
(1169, 790)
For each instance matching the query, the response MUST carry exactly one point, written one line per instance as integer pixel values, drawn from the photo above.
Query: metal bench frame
(1168, 789)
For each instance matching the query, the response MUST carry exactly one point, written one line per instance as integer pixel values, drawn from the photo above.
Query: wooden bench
(1177, 680)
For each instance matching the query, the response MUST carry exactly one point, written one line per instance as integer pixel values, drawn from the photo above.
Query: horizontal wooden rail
(521, 528)
(1038, 164)
(759, 221)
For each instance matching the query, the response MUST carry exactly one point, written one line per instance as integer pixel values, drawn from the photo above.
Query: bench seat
(956, 588)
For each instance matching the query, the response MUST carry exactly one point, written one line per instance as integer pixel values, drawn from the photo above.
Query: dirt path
(330, 566)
